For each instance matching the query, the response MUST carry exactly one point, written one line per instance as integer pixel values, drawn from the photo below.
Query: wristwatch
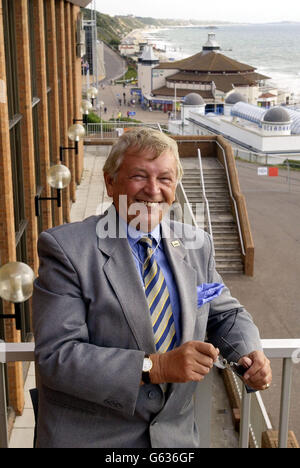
(147, 366)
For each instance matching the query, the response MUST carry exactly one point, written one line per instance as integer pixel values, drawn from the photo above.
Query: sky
(254, 11)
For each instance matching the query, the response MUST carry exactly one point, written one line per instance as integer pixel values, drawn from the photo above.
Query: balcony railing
(113, 130)
(254, 418)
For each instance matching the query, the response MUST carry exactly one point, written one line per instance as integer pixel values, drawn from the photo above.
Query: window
(15, 120)
(35, 102)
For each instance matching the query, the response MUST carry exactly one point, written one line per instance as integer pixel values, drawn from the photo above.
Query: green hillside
(111, 29)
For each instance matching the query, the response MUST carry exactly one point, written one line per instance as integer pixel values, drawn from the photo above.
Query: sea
(272, 48)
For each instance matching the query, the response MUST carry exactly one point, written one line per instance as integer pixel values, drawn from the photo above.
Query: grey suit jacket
(92, 329)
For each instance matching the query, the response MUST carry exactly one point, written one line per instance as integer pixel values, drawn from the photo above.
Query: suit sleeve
(230, 320)
(66, 361)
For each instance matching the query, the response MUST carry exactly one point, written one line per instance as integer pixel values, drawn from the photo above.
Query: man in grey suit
(120, 340)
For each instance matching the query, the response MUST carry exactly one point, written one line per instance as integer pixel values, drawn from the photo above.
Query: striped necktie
(158, 299)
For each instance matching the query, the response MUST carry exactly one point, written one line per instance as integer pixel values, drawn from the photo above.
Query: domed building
(210, 74)
(193, 102)
(235, 97)
(231, 100)
(265, 134)
(276, 121)
(193, 99)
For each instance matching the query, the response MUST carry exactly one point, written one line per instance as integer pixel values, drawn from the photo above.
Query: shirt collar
(134, 235)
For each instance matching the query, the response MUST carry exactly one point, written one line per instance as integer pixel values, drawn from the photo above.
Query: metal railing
(206, 200)
(10, 352)
(229, 186)
(233, 199)
(112, 130)
(285, 349)
(274, 349)
(186, 215)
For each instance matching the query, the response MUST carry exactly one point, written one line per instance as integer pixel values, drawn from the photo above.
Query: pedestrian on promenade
(119, 330)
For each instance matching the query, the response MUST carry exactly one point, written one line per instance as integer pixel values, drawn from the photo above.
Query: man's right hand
(191, 361)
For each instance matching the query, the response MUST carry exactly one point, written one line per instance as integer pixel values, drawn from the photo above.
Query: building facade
(210, 74)
(40, 96)
(273, 131)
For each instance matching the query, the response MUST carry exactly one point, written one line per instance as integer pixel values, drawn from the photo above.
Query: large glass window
(15, 122)
(35, 102)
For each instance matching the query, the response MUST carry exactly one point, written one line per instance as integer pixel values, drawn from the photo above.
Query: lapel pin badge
(175, 243)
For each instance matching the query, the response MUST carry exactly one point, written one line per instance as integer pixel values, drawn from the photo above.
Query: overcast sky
(256, 11)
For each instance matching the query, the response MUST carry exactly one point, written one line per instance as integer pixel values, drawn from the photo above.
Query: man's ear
(109, 183)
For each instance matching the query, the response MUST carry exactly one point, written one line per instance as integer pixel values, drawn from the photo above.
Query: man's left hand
(259, 374)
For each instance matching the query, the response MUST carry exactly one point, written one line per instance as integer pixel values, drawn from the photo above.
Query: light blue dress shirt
(138, 252)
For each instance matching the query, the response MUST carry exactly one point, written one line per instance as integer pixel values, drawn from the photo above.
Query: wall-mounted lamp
(92, 93)
(58, 177)
(85, 108)
(76, 132)
(16, 285)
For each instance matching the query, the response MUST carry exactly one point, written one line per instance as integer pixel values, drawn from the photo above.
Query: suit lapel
(121, 272)
(186, 280)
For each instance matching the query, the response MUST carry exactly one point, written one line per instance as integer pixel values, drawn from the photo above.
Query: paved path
(272, 296)
(110, 94)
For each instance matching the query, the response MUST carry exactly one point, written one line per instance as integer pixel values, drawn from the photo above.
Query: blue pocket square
(206, 292)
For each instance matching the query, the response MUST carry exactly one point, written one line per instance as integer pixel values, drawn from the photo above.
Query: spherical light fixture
(16, 282)
(92, 92)
(58, 176)
(85, 107)
(76, 132)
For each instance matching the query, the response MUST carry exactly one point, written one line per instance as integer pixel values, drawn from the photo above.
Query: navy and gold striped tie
(158, 299)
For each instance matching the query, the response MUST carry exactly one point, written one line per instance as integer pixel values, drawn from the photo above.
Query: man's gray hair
(138, 140)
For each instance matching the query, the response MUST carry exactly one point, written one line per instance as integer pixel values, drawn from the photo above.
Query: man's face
(144, 188)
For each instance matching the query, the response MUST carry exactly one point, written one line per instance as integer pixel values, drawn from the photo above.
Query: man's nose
(152, 186)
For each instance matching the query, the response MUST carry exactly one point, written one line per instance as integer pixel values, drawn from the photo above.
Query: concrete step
(215, 195)
(228, 256)
(208, 190)
(219, 210)
(214, 210)
(230, 270)
(225, 261)
(220, 174)
(232, 236)
(233, 247)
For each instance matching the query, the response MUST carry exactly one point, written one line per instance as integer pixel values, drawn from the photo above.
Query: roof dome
(235, 97)
(276, 115)
(193, 99)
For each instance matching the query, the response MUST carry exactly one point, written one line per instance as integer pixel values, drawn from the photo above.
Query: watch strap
(146, 375)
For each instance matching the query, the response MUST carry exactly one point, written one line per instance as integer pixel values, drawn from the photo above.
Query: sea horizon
(272, 48)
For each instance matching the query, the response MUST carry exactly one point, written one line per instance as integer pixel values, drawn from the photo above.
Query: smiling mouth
(149, 204)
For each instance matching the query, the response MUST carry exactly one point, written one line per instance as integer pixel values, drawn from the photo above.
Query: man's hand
(191, 361)
(259, 375)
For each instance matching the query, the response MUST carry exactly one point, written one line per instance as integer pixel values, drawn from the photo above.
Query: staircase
(224, 228)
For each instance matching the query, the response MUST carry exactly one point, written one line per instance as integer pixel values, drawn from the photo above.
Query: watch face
(147, 365)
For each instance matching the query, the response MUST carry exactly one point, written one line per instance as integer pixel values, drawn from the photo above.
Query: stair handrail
(233, 200)
(185, 205)
(206, 201)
